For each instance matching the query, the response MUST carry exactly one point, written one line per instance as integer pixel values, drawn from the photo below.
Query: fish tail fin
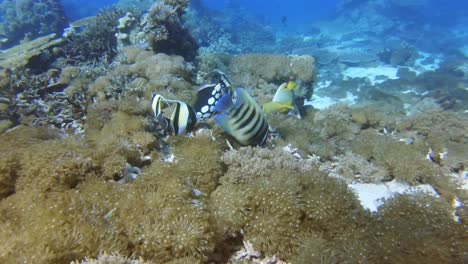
(276, 107)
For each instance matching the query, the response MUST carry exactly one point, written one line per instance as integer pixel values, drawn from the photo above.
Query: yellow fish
(283, 101)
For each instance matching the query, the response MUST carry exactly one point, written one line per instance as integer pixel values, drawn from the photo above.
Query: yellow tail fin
(276, 107)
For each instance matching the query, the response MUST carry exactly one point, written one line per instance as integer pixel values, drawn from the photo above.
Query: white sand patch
(372, 195)
(421, 65)
(371, 73)
(319, 102)
(324, 102)
(322, 85)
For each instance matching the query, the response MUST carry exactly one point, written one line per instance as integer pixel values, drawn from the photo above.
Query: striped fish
(208, 96)
(182, 116)
(244, 120)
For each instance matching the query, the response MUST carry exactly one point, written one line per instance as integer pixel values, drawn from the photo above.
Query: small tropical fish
(244, 120)
(182, 115)
(208, 96)
(284, 100)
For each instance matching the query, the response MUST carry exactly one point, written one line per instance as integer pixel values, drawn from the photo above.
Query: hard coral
(356, 168)
(28, 19)
(164, 31)
(98, 40)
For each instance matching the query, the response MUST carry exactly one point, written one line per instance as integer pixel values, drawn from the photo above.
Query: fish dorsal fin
(206, 86)
(291, 86)
(156, 104)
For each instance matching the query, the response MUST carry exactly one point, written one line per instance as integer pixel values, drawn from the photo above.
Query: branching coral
(163, 31)
(98, 40)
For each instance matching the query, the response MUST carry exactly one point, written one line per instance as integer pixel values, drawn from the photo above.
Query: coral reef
(24, 20)
(29, 53)
(84, 169)
(121, 140)
(160, 29)
(217, 32)
(97, 41)
(66, 205)
(44, 99)
(356, 168)
(138, 73)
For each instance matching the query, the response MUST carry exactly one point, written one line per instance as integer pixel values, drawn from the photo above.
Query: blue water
(296, 14)
(76, 9)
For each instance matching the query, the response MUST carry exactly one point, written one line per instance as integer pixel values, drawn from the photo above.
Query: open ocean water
(233, 131)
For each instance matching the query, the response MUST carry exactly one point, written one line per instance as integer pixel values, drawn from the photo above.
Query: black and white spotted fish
(244, 120)
(182, 116)
(208, 96)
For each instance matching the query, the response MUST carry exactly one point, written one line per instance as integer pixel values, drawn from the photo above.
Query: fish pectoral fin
(224, 104)
(222, 120)
(271, 107)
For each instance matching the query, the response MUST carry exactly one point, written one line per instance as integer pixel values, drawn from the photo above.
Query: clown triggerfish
(244, 120)
(208, 96)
